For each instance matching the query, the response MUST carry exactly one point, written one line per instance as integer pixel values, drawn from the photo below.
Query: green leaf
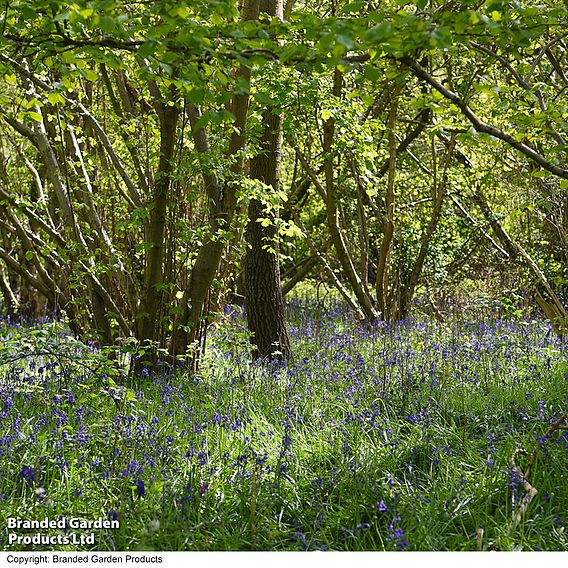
(129, 395)
(107, 24)
(147, 49)
(34, 116)
(29, 255)
(167, 68)
(27, 13)
(55, 98)
(62, 16)
(372, 73)
(196, 96)
(91, 75)
(379, 32)
(353, 7)
(291, 51)
(214, 117)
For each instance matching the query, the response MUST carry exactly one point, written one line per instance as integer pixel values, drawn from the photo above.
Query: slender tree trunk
(383, 266)
(223, 203)
(552, 306)
(300, 272)
(439, 194)
(45, 282)
(153, 280)
(343, 255)
(329, 270)
(10, 301)
(101, 320)
(264, 301)
(363, 230)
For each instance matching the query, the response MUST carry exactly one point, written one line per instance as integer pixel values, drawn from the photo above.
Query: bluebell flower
(27, 473)
(546, 497)
(302, 538)
(140, 488)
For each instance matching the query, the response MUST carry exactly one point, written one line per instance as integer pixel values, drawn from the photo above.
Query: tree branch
(481, 126)
(135, 198)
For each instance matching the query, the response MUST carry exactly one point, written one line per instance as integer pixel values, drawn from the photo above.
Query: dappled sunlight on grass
(372, 439)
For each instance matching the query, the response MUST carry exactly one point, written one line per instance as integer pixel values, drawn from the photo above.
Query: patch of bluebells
(357, 387)
(396, 534)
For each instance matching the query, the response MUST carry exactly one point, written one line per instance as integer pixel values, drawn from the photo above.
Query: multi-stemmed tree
(151, 153)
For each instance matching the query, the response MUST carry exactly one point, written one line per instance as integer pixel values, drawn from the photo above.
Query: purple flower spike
(27, 473)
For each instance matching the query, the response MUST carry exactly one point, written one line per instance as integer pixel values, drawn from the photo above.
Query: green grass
(373, 439)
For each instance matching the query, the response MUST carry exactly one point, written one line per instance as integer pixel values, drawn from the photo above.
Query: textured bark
(555, 313)
(264, 301)
(101, 320)
(153, 276)
(9, 300)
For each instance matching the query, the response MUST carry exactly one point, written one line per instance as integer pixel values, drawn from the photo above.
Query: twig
(529, 490)
(479, 538)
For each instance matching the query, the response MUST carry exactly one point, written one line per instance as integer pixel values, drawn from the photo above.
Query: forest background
(163, 162)
(158, 159)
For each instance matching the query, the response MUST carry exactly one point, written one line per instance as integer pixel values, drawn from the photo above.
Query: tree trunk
(552, 307)
(343, 255)
(439, 194)
(153, 280)
(264, 301)
(383, 266)
(223, 203)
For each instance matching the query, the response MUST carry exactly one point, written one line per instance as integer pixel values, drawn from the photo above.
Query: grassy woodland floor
(373, 439)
